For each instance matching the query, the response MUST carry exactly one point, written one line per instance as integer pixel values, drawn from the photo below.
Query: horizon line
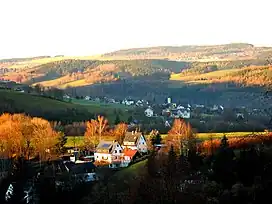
(140, 47)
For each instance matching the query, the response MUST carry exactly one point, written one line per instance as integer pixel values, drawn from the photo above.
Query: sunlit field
(78, 141)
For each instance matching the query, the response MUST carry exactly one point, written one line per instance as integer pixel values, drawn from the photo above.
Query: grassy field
(198, 78)
(28, 103)
(78, 140)
(98, 104)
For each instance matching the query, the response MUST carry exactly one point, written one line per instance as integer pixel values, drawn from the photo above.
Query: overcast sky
(87, 27)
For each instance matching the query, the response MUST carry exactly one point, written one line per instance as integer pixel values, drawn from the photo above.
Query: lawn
(201, 136)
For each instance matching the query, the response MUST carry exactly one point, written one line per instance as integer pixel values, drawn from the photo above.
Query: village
(171, 110)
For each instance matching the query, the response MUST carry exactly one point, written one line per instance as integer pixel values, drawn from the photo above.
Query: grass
(196, 78)
(124, 179)
(129, 173)
(27, 103)
(98, 104)
(201, 136)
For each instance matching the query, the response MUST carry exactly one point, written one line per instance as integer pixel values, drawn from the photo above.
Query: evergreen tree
(224, 164)
(172, 163)
(130, 119)
(151, 164)
(156, 138)
(117, 120)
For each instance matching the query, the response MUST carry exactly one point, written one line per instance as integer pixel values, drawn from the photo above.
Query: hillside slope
(16, 102)
(233, 51)
(86, 72)
(248, 76)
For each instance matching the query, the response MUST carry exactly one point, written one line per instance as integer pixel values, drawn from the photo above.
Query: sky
(89, 27)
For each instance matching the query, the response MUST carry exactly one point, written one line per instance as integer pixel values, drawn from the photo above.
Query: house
(139, 103)
(181, 113)
(240, 116)
(109, 152)
(128, 102)
(84, 172)
(167, 124)
(66, 96)
(87, 98)
(149, 112)
(136, 141)
(129, 156)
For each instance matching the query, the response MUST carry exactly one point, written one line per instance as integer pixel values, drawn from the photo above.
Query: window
(120, 151)
(97, 157)
(115, 151)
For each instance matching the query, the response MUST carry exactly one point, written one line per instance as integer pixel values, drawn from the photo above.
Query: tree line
(22, 135)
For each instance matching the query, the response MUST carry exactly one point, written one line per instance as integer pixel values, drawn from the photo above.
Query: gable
(141, 140)
(117, 148)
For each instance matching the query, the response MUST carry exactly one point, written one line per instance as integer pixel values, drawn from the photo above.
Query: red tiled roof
(130, 152)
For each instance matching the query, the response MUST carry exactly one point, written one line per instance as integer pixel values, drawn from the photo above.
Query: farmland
(78, 141)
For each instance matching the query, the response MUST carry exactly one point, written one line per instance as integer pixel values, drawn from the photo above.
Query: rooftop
(132, 136)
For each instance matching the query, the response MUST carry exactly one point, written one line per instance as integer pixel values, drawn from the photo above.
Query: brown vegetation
(180, 135)
(21, 135)
(209, 146)
(95, 129)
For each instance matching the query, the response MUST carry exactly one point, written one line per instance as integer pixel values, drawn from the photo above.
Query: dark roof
(132, 137)
(87, 167)
(106, 147)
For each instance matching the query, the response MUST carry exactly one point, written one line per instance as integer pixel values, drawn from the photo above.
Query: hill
(73, 72)
(189, 74)
(252, 75)
(50, 109)
(234, 51)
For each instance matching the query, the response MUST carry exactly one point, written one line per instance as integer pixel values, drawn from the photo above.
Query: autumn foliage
(237, 142)
(95, 130)
(22, 135)
(180, 133)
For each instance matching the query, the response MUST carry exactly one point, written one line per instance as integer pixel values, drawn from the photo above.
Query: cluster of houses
(170, 110)
(116, 155)
(121, 155)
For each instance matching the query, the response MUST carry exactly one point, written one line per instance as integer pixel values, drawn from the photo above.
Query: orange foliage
(23, 135)
(180, 131)
(237, 143)
(120, 131)
(95, 129)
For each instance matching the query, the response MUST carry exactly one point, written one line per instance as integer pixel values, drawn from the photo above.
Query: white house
(136, 141)
(87, 98)
(181, 113)
(180, 107)
(128, 102)
(139, 103)
(66, 96)
(149, 112)
(109, 152)
(167, 124)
